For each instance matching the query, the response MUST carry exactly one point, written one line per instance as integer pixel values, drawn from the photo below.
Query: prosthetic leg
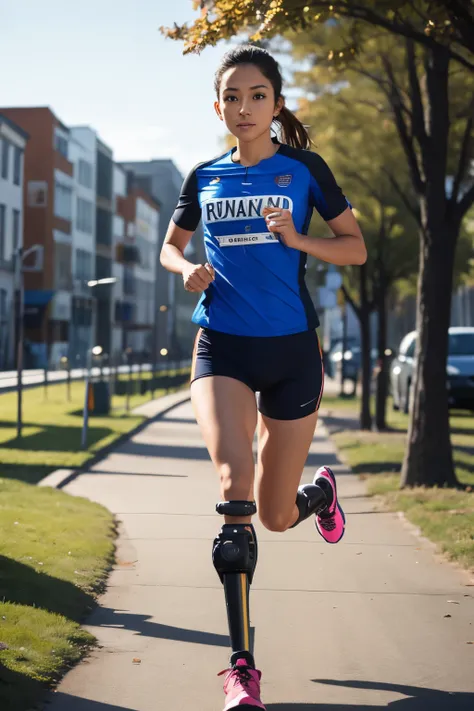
(234, 555)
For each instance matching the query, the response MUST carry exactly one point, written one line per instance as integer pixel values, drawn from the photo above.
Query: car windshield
(461, 344)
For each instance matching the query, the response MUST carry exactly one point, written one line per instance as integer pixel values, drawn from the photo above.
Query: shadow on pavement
(107, 617)
(200, 453)
(176, 420)
(419, 700)
(135, 473)
(164, 450)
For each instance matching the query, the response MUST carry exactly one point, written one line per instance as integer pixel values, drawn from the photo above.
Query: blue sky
(104, 63)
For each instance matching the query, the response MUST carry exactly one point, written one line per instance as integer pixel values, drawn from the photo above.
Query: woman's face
(247, 102)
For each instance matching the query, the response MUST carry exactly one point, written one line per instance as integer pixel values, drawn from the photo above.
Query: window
(104, 176)
(5, 156)
(83, 265)
(461, 344)
(2, 231)
(16, 229)
(61, 144)
(85, 173)
(84, 216)
(17, 165)
(62, 201)
(3, 306)
(103, 226)
(62, 266)
(410, 353)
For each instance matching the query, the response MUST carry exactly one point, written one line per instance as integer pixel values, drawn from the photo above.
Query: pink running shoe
(242, 686)
(330, 523)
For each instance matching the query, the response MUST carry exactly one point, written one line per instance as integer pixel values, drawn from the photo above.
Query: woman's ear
(278, 106)
(218, 111)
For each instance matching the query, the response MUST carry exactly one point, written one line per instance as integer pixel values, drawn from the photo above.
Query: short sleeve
(188, 210)
(328, 198)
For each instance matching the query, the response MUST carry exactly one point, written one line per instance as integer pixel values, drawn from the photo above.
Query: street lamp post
(90, 352)
(20, 268)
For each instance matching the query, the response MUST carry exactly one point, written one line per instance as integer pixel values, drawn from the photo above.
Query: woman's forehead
(243, 76)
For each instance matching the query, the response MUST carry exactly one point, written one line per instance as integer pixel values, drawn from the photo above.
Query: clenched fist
(281, 223)
(197, 277)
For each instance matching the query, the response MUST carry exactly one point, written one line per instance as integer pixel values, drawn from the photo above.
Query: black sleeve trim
(327, 196)
(187, 213)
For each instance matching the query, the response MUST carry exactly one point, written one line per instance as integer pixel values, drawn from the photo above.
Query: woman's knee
(275, 520)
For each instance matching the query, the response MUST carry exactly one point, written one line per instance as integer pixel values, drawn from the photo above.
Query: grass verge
(51, 437)
(55, 549)
(445, 516)
(55, 554)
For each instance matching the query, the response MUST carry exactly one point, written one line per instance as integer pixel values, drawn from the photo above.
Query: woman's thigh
(226, 411)
(283, 447)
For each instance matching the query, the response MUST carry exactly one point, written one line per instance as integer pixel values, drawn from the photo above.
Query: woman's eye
(259, 96)
(230, 98)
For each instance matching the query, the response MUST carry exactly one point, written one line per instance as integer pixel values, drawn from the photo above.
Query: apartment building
(48, 208)
(136, 233)
(13, 141)
(175, 332)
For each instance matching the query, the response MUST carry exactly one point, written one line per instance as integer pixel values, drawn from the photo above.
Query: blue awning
(38, 297)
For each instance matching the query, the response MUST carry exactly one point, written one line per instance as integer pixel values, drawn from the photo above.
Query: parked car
(460, 369)
(351, 359)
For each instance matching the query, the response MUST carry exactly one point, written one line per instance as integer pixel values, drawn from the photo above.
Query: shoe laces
(242, 671)
(327, 522)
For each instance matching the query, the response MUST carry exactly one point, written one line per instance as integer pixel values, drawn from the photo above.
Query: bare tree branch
(412, 209)
(351, 301)
(396, 103)
(465, 203)
(418, 118)
(464, 155)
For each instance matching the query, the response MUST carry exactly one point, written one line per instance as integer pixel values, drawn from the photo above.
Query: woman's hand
(281, 222)
(197, 277)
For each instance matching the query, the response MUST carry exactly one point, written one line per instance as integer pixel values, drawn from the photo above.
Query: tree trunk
(382, 376)
(364, 317)
(428, 458)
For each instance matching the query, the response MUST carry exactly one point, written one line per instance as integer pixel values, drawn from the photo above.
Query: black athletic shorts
(286, 372)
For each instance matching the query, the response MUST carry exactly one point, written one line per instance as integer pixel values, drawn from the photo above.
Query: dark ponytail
(292, 130)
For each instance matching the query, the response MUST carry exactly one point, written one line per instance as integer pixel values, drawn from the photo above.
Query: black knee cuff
(310, 499)
(236, 508)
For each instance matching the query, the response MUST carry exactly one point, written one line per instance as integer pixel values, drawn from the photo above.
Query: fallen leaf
(447, 615)
(453, 602)
(136, 660)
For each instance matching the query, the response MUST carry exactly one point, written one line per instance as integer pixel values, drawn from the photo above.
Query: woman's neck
(248, 154)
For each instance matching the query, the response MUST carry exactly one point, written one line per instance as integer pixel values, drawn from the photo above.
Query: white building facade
(82, 154)
(13, 141)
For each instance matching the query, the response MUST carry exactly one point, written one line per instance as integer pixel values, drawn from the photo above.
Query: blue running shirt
(259, 287)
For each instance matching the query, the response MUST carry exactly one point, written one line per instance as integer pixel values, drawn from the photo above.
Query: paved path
(377, 621)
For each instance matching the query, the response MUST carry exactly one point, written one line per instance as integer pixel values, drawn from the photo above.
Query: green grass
(51, 437)
(55, 554)
(55, 549)
(445, 516)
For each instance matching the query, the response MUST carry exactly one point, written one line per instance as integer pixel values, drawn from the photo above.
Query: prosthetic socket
(234, 554)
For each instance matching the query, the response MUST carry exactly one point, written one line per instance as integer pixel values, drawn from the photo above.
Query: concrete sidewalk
(375, 621)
